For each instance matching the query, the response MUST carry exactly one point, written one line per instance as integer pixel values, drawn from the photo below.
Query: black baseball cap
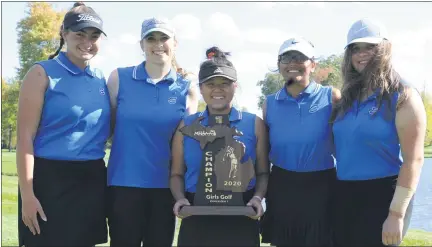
(215, 70)
(79, 21)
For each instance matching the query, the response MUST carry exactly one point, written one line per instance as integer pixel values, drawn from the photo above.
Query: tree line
(38, 37)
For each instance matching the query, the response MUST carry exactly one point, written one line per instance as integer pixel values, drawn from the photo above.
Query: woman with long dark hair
(379, 131)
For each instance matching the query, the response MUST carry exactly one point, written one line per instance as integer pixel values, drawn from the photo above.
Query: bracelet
(259, 198)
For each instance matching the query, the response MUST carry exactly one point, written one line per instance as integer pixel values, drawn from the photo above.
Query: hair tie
(210, 55)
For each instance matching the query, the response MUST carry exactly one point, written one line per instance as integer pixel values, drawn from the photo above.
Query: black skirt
(298, 208)
(73, 197)
(215, 230)
(360, 209)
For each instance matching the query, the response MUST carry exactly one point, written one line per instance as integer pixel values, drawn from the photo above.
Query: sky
(251, 31)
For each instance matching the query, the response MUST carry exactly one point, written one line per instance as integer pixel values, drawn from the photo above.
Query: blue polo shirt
(299, 130)
(366, 141)
(147, 116)
(243, 121)
(75, 119)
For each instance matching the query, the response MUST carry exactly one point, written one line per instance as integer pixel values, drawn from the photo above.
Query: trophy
(222, 178)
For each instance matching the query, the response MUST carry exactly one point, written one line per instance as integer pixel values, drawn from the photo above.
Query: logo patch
(219, 119)
(172, 100)
(102, 91)
(314, 108)
(218, 71)
(373, 110)
(86, 17)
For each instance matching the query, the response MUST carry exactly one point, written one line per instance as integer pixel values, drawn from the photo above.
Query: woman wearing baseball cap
(63, 125)
(303, 171)
(147, 101)
(379, 130)
(218, 83)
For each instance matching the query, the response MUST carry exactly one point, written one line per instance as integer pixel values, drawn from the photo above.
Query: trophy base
(217, 210)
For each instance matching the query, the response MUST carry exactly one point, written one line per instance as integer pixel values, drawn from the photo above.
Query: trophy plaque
(222, 178)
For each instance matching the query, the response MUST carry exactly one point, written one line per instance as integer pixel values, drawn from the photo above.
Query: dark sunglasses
(292, 57)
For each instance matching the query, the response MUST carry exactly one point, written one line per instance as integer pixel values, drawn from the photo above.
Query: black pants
(360, 209)
(140, 215)
(72, 195)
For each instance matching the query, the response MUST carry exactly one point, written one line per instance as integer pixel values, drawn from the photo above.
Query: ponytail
(216, 55)
(178, 69)
(59, 49)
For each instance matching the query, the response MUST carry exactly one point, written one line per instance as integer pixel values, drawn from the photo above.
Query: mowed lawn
(9, 183)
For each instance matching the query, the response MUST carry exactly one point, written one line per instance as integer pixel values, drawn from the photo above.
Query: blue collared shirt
(299, 130)
(75, 118)
(147, 116)
(366, 141)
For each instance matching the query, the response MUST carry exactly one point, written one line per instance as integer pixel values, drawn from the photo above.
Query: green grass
(8, 163)
(9, 183)
(428, 152)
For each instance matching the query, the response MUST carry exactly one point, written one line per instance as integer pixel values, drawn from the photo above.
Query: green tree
(38, 35)
(271, 84)
(9, 110)
(333, 79)
(328, 71)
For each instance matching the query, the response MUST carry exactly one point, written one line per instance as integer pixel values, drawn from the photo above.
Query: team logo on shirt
(373, 110)
(314, 108)
(102, 91)
(172, 100)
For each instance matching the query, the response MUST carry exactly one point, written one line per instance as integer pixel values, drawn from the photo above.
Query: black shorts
(140, 215)
(219, 230)
(298, 208)
(360, 209)
(73, 197)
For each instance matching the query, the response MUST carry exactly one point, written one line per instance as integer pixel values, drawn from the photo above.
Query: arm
(411, 129)
(262, 166)
(177, 165)
(336, 96)
(30, 104)
(264, 110)
(113, 86)
(192, 99)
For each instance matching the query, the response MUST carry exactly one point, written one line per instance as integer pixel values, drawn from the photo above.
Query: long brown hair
(78, 8)
(379, 75)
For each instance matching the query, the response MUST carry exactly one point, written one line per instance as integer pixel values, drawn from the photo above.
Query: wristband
(401, 199)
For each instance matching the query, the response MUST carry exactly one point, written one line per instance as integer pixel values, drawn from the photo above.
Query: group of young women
(344, 164)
